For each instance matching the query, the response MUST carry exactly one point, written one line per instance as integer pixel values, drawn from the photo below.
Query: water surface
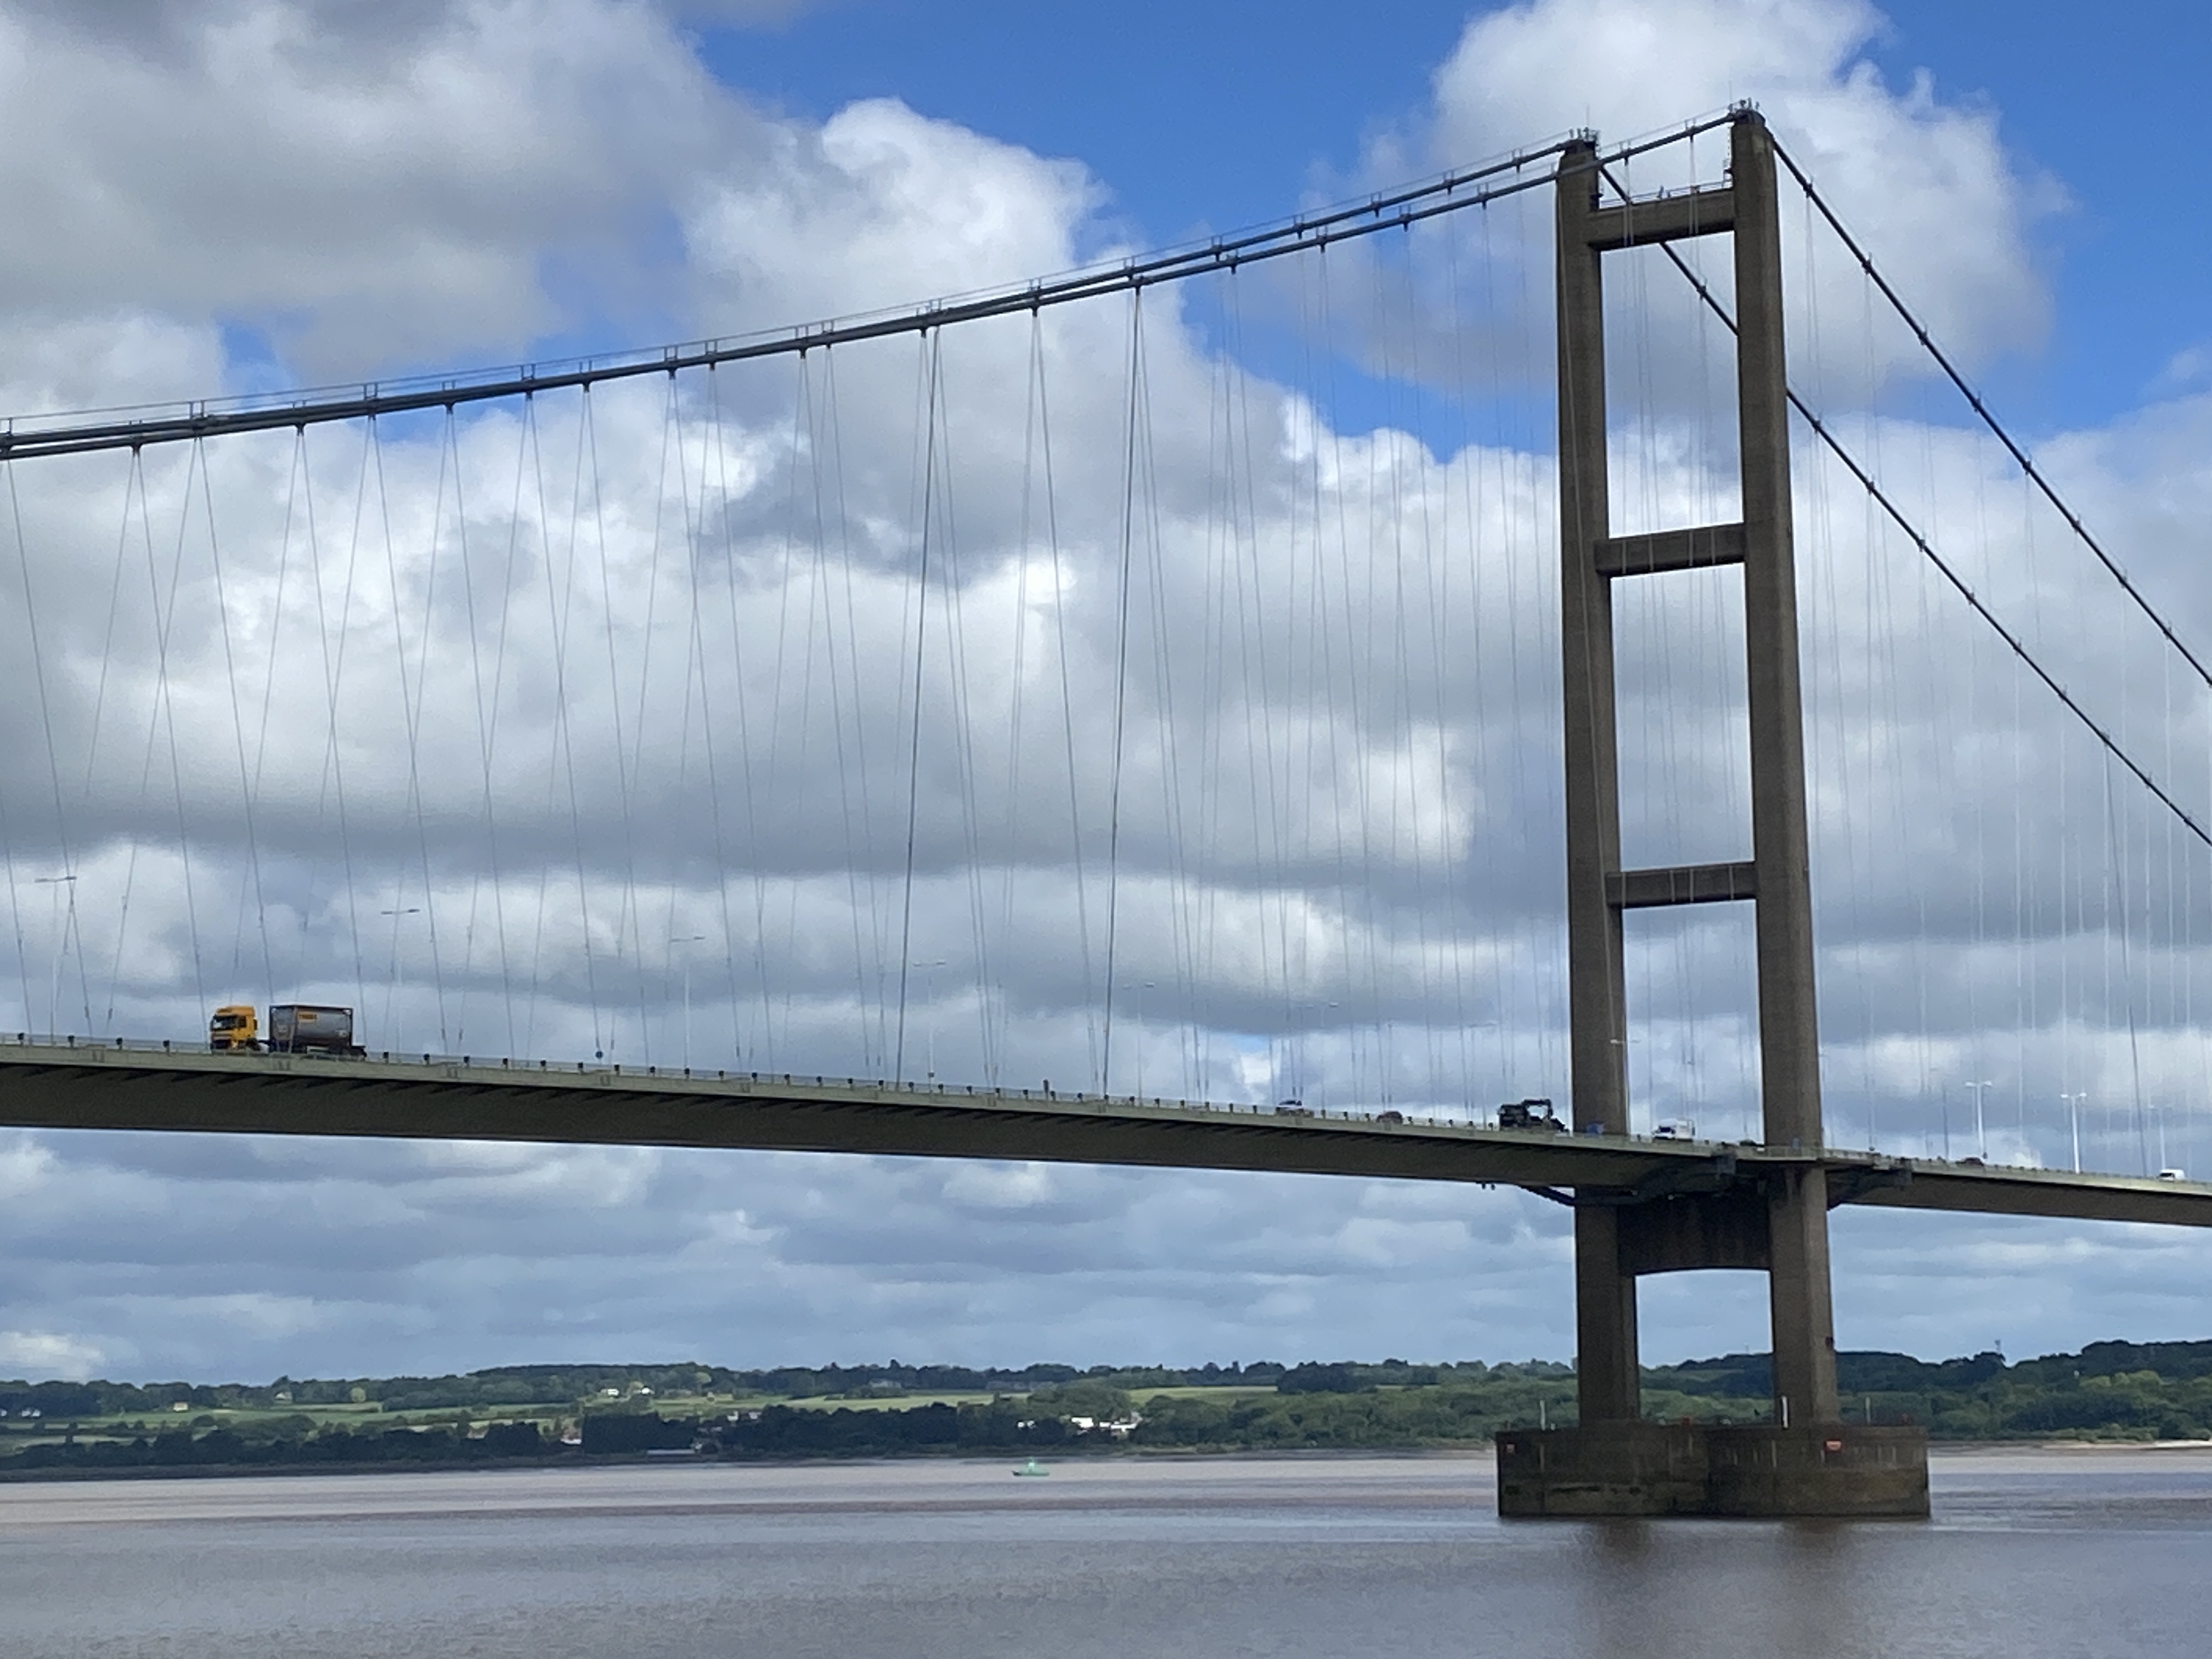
(2043, 1553)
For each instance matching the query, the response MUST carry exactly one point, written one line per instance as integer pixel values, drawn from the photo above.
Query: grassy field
(2110, 1390)
(553, 1415)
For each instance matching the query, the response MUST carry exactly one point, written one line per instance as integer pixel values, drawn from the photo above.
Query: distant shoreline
(2110, 1394)
(1468, 1451)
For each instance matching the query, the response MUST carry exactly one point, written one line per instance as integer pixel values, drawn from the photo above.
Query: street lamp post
(61, 884)
(929, 996)
(687, 940)
(2074, 1105)
(1981, 1127)
(398, 962)
(1144, 985)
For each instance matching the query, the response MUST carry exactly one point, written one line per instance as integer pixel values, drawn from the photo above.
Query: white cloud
(876, 207)
(1338, 873)
(1525, 72)
(1922, 179)
(369, 185)
(1381, 1241)
(24, 1166)
(998, 1186)
(39, 1354)
(256, 1314)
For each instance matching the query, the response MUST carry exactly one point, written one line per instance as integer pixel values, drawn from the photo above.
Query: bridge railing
(585, 1067)
(796, 1079)
(770, 1079)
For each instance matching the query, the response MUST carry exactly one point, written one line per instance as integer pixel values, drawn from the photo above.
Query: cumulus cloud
(44, 1353)
(617, 725)
(1924, 178)
(997, 1186)
(878, 207)
(369, 187)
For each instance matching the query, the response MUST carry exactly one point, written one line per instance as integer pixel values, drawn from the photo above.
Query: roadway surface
(65, 1086)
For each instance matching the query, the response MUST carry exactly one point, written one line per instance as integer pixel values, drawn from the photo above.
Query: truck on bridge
(1529, 1115)
(294, 1027)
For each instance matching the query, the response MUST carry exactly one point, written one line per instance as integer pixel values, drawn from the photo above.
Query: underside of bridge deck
(1665, 1205)
(84, 1086)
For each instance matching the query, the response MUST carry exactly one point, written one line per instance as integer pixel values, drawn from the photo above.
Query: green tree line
(520, 1385)
(2110, 1390)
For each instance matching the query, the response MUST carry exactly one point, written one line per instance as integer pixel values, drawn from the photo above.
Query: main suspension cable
(1981, 411)
(67, 433)
(1896, 515)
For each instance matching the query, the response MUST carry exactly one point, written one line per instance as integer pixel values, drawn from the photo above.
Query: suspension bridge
(1202, 679)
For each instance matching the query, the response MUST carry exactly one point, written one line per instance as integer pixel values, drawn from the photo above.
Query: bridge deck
(56, 1086)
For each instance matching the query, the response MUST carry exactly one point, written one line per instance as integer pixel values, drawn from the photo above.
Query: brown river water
(2041, 1553)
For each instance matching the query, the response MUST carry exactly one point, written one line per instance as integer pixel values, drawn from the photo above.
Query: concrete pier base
(1841, 1470)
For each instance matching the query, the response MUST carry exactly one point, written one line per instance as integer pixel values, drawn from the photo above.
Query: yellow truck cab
(234, 1027)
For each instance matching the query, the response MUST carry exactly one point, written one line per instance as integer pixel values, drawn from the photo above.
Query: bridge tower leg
(1804, 1461)
(1606, 1366)
(1788, 1025)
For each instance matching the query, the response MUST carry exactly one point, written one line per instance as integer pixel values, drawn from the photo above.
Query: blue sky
(271, 191)
(1202, 117)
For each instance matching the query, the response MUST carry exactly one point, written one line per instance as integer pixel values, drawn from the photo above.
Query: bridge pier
(1804, 1461)
(1744, 1470)
(1607, 1385)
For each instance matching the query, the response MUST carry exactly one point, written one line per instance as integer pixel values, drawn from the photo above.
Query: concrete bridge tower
(1804, 1460)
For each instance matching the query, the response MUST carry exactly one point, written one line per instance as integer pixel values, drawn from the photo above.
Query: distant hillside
(520, 1385)
(2110, 1390)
